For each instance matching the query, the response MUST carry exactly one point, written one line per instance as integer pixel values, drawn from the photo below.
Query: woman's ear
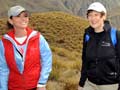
(104, 17)
(10, 21)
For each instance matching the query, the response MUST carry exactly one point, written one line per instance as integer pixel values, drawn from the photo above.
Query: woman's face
(96, 20)
(20, 21)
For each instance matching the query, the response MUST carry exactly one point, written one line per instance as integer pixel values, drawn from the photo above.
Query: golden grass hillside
(64, 33)
(61, 29)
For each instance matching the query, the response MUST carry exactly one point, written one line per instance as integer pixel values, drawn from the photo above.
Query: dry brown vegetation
(64, 33)
(61, 29)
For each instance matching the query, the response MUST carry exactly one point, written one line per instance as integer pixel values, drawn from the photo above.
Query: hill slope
(64, 32)
(61, 29)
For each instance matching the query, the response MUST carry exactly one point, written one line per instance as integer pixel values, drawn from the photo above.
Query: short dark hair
(89, 11)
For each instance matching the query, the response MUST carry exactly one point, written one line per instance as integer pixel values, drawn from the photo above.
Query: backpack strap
(113, 36)
(87, 37)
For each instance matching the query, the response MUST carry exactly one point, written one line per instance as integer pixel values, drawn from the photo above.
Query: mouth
(23, 23)
(93, 22)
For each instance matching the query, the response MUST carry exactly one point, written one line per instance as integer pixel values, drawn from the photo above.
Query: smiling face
(96, 19)
(20, 21)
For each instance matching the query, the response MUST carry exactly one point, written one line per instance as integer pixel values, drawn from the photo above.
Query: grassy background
(64, 33)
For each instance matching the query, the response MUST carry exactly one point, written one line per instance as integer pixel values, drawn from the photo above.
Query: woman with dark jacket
(100, 65)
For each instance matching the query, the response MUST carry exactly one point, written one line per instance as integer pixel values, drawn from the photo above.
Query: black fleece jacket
(95, 67)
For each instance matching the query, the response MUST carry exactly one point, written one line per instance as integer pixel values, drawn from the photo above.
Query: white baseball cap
(15, 10)
(97, 6)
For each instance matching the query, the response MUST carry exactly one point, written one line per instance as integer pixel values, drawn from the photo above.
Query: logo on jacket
(106, 44)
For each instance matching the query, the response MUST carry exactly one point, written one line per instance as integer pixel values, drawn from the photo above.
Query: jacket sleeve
(46, 61)
(4, 71)
(118, 55)
(84, 65)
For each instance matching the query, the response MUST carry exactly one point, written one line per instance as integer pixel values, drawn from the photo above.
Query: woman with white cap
(25, 56)
(100, 55)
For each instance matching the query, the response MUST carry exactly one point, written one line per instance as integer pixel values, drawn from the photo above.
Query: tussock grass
(66, 68)
(60, 29)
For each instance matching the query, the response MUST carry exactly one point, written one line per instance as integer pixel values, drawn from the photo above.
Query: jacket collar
(106, 27)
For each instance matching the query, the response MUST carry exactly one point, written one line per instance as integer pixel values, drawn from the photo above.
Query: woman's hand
(41, 88)
(80, 88)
